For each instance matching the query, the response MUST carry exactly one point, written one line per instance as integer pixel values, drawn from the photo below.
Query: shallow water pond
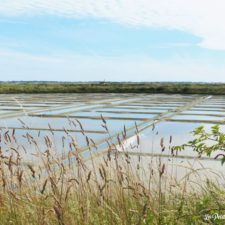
(106, 117)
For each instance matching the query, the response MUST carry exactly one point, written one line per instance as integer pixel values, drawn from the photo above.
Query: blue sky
(111, 40)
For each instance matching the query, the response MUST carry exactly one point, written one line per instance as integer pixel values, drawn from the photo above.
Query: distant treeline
(111, 87)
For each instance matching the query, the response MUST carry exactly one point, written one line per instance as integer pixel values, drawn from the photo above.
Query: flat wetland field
(107, 158)
(83, 113)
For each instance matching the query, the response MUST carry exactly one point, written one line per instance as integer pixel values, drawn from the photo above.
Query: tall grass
(113, 188)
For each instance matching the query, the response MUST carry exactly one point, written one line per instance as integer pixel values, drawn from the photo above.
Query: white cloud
(203, 18)
(18, 66)
(10, 56)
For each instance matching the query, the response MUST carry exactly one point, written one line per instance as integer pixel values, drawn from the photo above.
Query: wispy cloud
(204, 18)
(13, 57)
(4, 21)
(70, 67)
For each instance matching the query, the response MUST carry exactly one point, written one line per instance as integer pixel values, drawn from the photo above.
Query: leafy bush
(207, 143)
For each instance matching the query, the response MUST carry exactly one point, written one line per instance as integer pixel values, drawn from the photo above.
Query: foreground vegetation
(113, 189)
(111, 87)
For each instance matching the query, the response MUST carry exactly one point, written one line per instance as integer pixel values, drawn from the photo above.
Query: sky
(112, 40)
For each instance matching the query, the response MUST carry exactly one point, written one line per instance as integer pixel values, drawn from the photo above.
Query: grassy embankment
(112, 190)
(114, 87)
